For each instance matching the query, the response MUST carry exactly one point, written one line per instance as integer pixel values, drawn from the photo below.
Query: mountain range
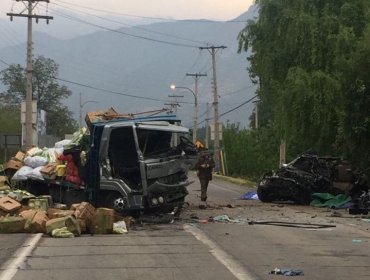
(131, 69)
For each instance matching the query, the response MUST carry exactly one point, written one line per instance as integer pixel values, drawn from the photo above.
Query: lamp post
(195, 116)
(83, 104)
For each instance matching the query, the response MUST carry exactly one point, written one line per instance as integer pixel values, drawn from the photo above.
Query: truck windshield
(156, 142)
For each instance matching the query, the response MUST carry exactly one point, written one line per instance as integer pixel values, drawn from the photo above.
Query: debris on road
(227, 219)
(40, 215)
(290, 224)
(251, 195)
(287, 272)
(330, 200)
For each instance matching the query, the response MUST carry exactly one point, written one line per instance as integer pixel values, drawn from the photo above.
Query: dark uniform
(205, 167)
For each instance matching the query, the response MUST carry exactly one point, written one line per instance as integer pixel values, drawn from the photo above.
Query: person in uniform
(204, 168)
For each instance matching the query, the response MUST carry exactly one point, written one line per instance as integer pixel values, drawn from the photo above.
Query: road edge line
(233, 265)
(20, 256)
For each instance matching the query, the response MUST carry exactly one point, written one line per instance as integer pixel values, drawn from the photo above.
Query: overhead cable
(231, 110)
(237, 107)
(132, 26)
(153, 18)
(125, 33)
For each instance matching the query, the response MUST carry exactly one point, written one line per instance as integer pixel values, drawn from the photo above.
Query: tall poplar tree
(311, 60)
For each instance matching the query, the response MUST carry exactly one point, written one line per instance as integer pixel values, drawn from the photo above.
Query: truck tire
(115, 200)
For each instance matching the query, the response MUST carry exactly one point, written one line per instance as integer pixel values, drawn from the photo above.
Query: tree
(310, 59)
(45, 89)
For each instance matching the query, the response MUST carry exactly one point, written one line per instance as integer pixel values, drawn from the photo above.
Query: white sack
(35, 161)
(21, 174)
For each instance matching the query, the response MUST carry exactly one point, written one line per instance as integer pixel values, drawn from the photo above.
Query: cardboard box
(35, 220)
(92, 117)
(110, 113)
(39, 203)
(13, 164)
(54, 213)
(84, 211)
(12, 224)
(83, 225)
(69, 222)
(19, 156)
(103, 220)
(3, 183)
(9, 205)
(49, 169)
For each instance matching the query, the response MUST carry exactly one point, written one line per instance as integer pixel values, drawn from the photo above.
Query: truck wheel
(114, 200)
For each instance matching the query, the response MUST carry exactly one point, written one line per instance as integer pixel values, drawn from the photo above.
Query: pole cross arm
(29, 16)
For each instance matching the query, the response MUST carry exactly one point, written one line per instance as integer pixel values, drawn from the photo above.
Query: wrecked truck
(307, 174)
(135, 166)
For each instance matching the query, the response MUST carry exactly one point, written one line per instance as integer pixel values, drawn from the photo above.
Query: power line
(231, 110)
(237, 91)
(110, 91)
(106, 90)
(116, 13)
(237, 107)
(125, 33)
(133, 26)
(154, 18)
(116, 92)
(4, 62)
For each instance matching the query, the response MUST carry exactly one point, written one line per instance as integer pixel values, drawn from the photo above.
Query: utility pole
(174, 104)
(28, 142)
(195, 118)
(256, 114)
(212, 50)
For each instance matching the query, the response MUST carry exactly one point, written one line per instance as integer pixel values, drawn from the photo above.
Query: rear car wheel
(264, 194)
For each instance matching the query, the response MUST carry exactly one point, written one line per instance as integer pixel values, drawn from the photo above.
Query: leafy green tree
(10, 122)
(250, 152)
(45, 89)
(311, 60)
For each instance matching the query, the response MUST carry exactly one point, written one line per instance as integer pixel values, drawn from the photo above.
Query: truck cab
(139, 165)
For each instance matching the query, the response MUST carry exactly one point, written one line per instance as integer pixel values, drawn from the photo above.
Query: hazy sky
(178, 9)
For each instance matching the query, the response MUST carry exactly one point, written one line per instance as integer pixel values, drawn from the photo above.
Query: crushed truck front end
(142, 165)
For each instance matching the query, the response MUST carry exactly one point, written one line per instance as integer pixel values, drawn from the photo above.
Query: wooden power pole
(212, 50)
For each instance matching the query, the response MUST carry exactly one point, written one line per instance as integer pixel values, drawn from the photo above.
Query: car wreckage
(309, 173)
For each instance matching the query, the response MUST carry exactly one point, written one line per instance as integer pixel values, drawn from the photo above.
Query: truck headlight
(154, 201)
(160, 199)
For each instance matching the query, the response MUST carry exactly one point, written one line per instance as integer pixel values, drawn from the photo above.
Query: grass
(235, 180)
(238, 181)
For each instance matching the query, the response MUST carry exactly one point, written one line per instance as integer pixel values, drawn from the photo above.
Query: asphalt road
(194, 247)
(9, 243)
(337, 248)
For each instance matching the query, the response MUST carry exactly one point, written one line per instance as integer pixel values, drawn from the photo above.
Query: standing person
(204, 168)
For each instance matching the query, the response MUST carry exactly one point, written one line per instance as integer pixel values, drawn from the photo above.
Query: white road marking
(234, 266)
(20, 256)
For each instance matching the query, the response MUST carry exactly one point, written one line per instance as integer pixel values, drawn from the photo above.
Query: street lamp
(195, 117)
(83, 104)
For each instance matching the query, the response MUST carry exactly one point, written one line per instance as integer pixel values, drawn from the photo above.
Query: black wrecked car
(306, 174)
